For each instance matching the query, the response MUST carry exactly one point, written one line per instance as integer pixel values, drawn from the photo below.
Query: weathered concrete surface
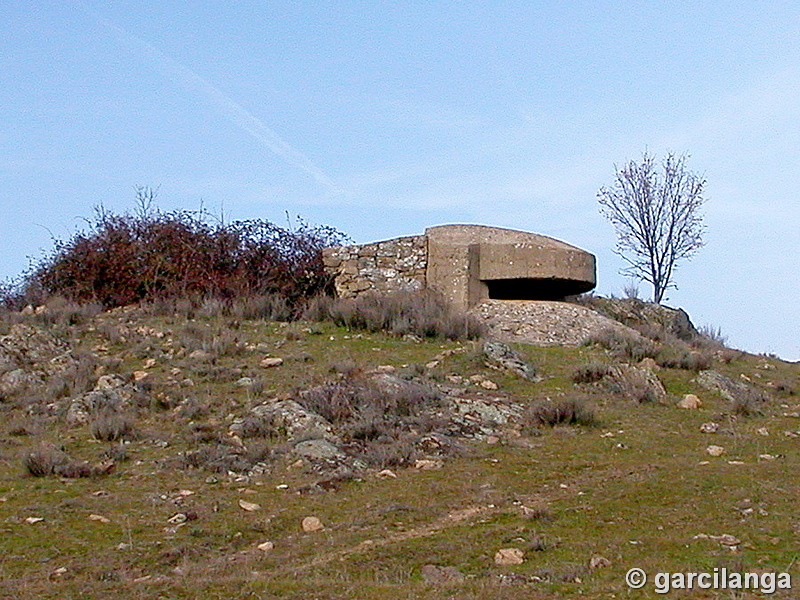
(467, 264)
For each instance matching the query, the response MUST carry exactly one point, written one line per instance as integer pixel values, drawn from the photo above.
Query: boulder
(733, 391)
(295, 420)
(500, 356)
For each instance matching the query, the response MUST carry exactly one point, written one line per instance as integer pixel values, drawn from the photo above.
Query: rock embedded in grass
(509, 557)
(312, 524)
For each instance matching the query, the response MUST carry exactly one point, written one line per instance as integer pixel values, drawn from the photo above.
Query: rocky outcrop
(502, 357)
(644, 316)
(732, 391)
(544, 323)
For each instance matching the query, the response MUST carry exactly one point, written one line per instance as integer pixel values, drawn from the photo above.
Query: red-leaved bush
(150, 255)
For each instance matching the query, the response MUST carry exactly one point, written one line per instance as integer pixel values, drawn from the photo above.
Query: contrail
(226, 105)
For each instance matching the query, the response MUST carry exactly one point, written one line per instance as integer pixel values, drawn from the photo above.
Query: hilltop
(198, 450)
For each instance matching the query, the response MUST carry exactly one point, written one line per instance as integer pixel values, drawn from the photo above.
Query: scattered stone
(649, 363)
(99, 518)
(59, 572)
(500, 356)
(715, 450)
(432, 365)
(427, 464)
(488, 384)
(266, 546)
(385, 369)
(271, 362)
(767, 457)
(726, 539)
(509, 556)
(762, 431)
(200, 355)
(177, 519)
(599, 562)
(33, 520)
(318, 449)
(709, 427)
(149, 363)
(690, 402)
(312, 524)
(140, 375)
(249, 506)
(436, 575)
(245, 382)
(387, 474)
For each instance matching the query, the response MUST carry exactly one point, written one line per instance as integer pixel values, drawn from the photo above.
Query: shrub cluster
(564, 412)
(151, 255)
(424, 313)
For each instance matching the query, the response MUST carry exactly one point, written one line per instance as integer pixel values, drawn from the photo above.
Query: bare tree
(657, 217)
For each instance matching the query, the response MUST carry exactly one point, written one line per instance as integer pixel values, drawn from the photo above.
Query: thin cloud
(224, 104)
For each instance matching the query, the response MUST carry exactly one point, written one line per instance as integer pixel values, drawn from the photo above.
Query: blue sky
(384, 118)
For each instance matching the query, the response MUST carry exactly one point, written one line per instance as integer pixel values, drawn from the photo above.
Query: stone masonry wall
(390, 266)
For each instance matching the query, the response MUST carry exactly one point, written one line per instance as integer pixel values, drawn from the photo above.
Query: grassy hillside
(174, 502)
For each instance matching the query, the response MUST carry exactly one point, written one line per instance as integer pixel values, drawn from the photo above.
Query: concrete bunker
(466, 263)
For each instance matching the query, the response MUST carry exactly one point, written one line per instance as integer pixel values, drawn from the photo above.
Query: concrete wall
(466, 263)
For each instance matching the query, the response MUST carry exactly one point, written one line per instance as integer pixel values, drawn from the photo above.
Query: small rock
(177, 519)
(99, 518)
(272, 362)
(488, 384)
(432, 365)
(249, 506)
(140, 375)
(33, 520)
(477, 378)
(266, 546)
(762, 431)
(385, 369)
(690, 402)
(245, 382)
(312, 524)
(200, 354)
(387, 474)
(715, 450)
(427, 464)
(709, 427)
(726, 539)
(149, 363)
(509, 556)
(767, 457)
(599, 562)
(437, 575)
(651, 364)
